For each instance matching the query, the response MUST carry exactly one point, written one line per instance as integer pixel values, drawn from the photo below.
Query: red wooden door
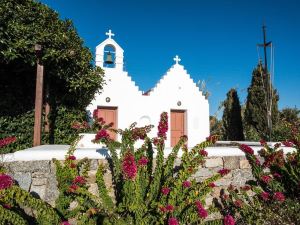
(177, 126)
(109, 115)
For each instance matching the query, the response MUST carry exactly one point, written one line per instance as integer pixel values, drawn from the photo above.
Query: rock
(32, 166)
(39, 181)
(214, 162)
(91, 176)
(93, 189)
(244, 164)
(94, 164)
(231, 162)
(24, 179)
(241, 176)
(38, 191)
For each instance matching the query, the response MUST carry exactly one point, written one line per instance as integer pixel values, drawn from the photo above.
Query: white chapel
(122, 103)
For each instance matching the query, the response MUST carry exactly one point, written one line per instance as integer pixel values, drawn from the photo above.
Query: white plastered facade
(175, 91)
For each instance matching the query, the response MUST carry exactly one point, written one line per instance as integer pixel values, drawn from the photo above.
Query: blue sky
(215, 39)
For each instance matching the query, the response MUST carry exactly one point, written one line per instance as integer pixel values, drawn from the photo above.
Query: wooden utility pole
(38, 98)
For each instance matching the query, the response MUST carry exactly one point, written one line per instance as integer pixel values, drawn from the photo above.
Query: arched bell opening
(109, 56)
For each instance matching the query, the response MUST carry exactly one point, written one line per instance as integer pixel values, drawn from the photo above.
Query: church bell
(109, 59)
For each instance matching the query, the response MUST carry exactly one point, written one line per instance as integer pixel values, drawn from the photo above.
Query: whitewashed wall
(176, 85)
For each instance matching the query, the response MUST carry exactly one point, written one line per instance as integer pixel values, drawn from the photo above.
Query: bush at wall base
(143, 193)
(274, 196)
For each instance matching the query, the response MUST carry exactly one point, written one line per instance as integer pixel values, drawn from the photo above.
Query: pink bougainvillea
(71, 157)
(143, 161)
(163, 126)
(7, 141)
(172, 221)
(223, 172)
(247, 149)
(102, 134)
(5, 181)
(266, 179)
(229, 220)
(129, 166)
(65, 223)
(265, 196)
(203, 152)
(79, 180)
(186, 184)
(170, 208)
(201, 211)
(165, 190)
(279, 196)
(212, 185)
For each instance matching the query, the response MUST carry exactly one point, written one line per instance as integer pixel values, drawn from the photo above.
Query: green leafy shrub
(143, 193)
(68, 124)
(274, 196)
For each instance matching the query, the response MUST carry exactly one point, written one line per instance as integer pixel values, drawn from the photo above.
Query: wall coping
(48, 152)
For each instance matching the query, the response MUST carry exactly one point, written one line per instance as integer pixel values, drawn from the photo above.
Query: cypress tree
(256, 118)
(232, 119)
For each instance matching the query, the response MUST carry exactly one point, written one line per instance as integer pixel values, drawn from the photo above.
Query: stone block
(241, 176)
(91, 176)
(39, 181)
(214, 162)
(94, 164)
(224, 181)
(231, 162)
(38, 191)
(30, 166)
(93, 189)
(24, 179)
(244, 164)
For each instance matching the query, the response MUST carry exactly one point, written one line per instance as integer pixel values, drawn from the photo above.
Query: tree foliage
(232, 119)
(69, 73)
(256, 105)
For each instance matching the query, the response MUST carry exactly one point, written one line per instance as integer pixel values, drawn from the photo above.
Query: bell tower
(109, 55)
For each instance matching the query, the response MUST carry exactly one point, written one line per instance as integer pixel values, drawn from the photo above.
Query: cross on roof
(177, 59)
(109, 34)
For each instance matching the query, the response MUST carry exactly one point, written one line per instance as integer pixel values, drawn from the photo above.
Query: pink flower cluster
(165, 190)
(247, 149)
(278, 196)
(7, 141)
(172, 221)
(5, 181)
(143, 161)
(203, 152)
(186, 184)
(229, 220)
(129, 166)
(102, 134)
(223, 172)
(71, 157)
(266, 179)
(163, 126)
(265, 196)
(79, 180)
(288, 143)
(168, 208)
(212, 185)
(65, 223)
(201, 211)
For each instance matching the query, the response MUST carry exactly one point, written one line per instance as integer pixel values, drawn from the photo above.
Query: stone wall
(38, 177)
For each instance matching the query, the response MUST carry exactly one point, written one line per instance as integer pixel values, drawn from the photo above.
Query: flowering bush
(143, 193)
(274, 196)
